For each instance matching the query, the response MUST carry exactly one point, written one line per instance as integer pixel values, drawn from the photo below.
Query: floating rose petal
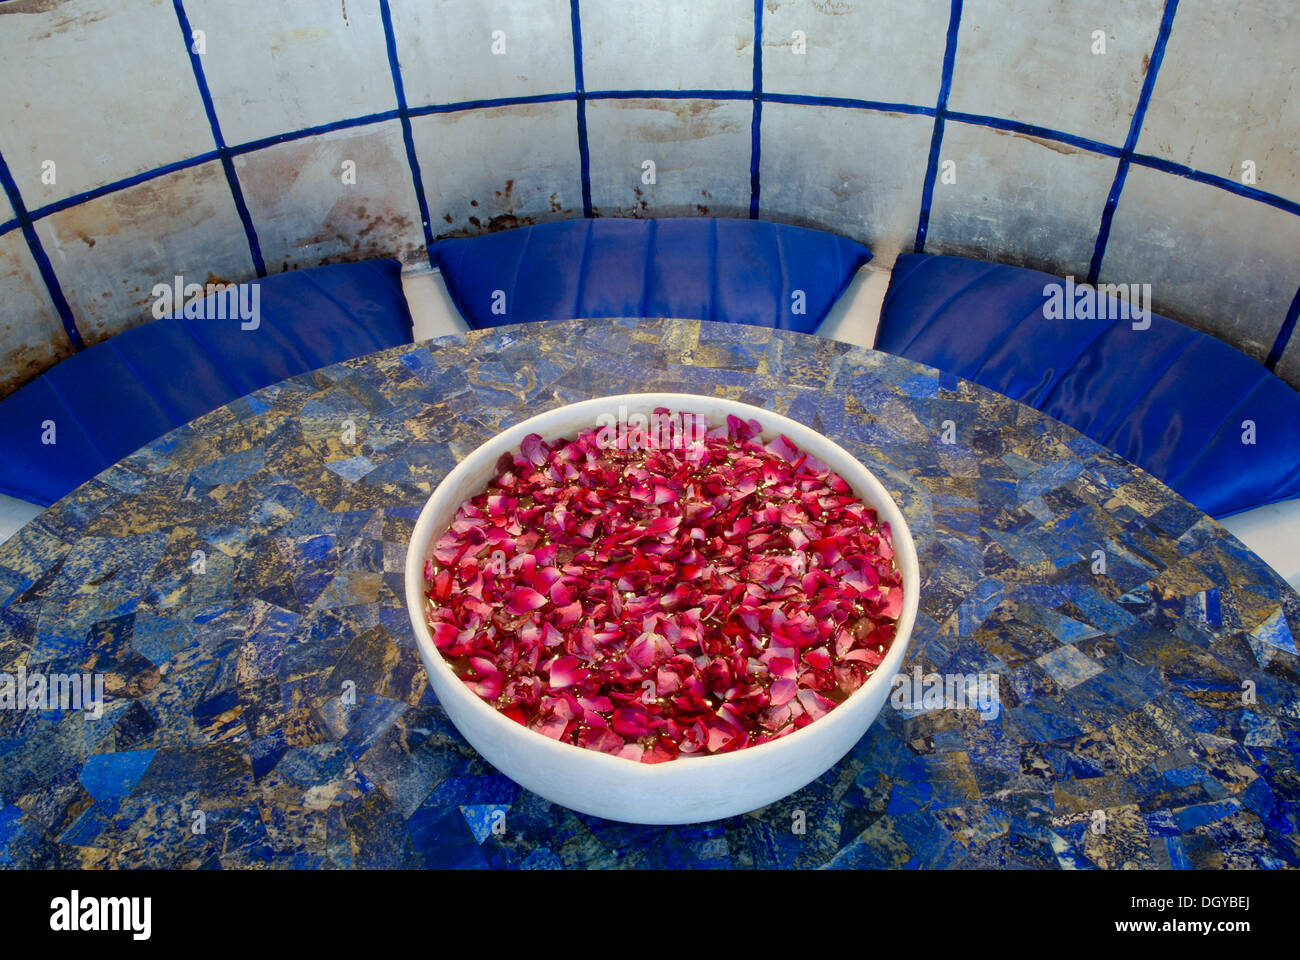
(783, 691)
(566, 671)
(524, 600)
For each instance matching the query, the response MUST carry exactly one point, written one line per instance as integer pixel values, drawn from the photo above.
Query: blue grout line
(1144, 160)
(94, 194)
(227, 164)
(936, 134)
(706, 94)
(1131, 141)
(363, 121)
(756, 128)
(883, 106)
(580, 98)
(1032, 130)
(1107, 217)
(1214, 180)
(1284, 334)
(461, 105)
(408, 136)
(24, 221)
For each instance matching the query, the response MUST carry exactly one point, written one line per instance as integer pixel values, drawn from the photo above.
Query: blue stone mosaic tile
(238, 586)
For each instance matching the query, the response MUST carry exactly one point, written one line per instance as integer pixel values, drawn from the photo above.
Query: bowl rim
(546, 748)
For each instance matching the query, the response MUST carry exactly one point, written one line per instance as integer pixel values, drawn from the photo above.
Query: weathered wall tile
(31, 335)
(855, 172)
(451, 52)
(110, 252)
(1229, 92)
(679, 46)
(700, 150)
(1032, 61)
(341, 196)
(1288, 368)
(1016, 199)
(1225, 264)
(499, 168)
(101, 88)
(277, 67)
(901, 64)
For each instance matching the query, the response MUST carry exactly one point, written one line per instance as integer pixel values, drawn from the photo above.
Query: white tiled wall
(31, 336)
(100, 88)
(674, 45)
(1198, 246)
(111, 251)
(1229, 92)
(106, 90)
(341, 195)
(1033, 61)
(452, 51)
(896, 56)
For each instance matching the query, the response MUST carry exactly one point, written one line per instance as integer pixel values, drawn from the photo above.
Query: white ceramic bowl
(687, 789)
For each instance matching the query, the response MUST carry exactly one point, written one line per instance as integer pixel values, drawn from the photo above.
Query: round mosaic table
(238, 585)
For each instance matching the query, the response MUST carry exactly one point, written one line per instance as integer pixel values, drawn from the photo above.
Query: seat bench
(1209, 421)
(101, 404)
(699, 268)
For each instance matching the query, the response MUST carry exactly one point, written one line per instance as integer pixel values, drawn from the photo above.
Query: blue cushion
(738, 271)
(1168, 398)
(118, 395)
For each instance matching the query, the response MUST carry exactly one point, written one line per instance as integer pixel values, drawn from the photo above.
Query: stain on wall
(342, 196)
(699, 148)
(32, 338)
(111, 252)
(497, 168)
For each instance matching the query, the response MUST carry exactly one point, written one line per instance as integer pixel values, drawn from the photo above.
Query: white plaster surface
(1218, 262)
(670, 45)
(1033, 61)
(897, 55)
(1273, 534)
(855, 316)
(854, 172)
(103, 88)
(452, 51)
(433, 312)
(1229, 91)
(290, 64)
(700, 149)
(1016, 199)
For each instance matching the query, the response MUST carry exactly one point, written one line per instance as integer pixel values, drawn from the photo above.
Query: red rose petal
(524, 600)
(690, 589)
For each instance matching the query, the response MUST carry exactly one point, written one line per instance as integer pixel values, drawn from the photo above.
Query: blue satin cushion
(737, 271)
(118, 395)
(1170, 399)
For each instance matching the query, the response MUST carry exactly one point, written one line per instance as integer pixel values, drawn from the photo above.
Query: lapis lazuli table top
(229, 581)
